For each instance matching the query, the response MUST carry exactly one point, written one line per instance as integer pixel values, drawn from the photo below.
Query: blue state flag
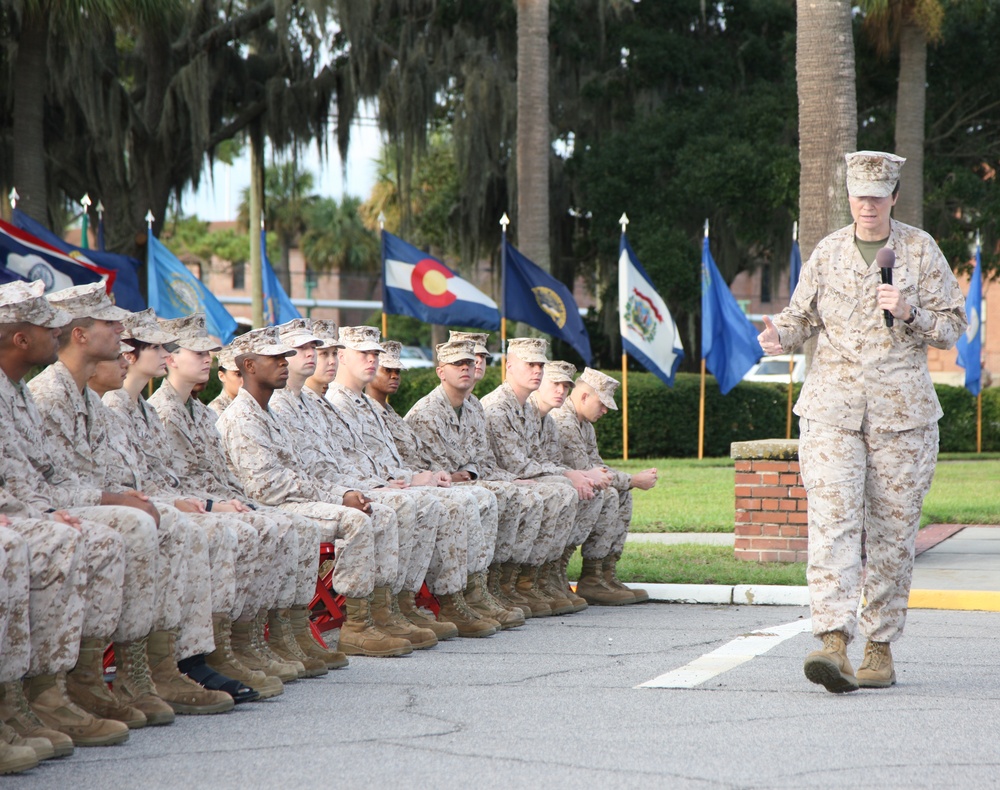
(278, 308)
(535, 297)
(125, 288)
(728, 340)
(794, 268)
(419, 285)
(970, 345)
(24, 255)
(649, 332)
(174, 292)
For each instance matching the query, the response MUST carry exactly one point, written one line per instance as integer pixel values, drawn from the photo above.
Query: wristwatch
(913, 315)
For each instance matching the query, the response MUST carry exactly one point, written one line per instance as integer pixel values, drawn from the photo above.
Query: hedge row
(663, 422)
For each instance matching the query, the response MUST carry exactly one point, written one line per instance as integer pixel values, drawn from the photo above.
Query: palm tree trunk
(911, 102)
(828, 115)
(533, 143)
(29, 118)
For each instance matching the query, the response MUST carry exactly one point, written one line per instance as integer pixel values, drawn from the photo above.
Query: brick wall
(771, 510)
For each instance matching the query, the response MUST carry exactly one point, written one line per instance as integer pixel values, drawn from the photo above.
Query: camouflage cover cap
(456, 351)
(125, 348)
(190, 332)
(361, 338)
(478, 338)
(226, 359)
(529, 349)
(23, 303)
(872, 173)
(559, 372)
(390, 357)
(263, 342)
(603, 385)
(326, 330)
(298, 332)
(87, 301)
(142, 326)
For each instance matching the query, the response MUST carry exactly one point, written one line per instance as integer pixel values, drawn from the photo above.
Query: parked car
(416, 357)
(775, 369)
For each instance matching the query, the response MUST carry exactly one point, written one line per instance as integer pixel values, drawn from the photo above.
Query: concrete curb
(777, 595)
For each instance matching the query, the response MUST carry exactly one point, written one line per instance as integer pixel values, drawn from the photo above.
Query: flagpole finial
(504, 222)
(381, 220)
(100, 209)
(14, 197)
(85, 201)
(149, 219)
(706, 228)
(262, 220)
(795, 230)
(979, 238)
(623, 221)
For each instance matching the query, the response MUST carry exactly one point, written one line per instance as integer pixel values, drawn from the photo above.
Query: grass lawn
(697, 496)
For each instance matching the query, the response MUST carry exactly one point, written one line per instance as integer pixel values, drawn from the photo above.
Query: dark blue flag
(794, 268)
(970, 345)
(535, 297)
(728, 340)
(125, 289)
(278, 308)
(25, 255)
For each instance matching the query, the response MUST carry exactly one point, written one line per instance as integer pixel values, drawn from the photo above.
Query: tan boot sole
(826, 673)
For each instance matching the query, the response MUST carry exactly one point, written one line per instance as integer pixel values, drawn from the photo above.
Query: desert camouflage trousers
(482, 545)
(560, 505)
(354, 537)
(121, 602)
(412, 518)
(57, 556)
(519, 517)
(271, 568)
(609, 533)
(15, 632)
(871, 481)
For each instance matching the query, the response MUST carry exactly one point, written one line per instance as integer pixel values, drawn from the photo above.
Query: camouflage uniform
(458, 442)
(220, 402)
(15, 637)
(261, 453)
(275, 571)
(868, 423)
(513, 432)
(576, 441)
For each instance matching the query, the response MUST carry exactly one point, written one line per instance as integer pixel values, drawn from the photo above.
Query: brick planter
(771, 509)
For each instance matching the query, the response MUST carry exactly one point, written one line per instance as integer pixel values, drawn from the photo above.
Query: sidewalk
(957, 567)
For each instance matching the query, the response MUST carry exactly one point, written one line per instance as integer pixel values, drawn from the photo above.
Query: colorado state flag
(419, 285)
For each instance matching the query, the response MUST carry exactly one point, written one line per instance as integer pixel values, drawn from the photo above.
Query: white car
(415, 357)
(775, 369)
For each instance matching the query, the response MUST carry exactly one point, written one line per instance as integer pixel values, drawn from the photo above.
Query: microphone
(886, 259)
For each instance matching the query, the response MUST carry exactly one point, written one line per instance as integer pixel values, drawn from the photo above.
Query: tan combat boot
(876, 670)
(16, 755)
(332, 659)
(394, 624)
(42, 747)
(527, 588)
(360, 637)
(134, 682)
(17, 714)
(578, 601)
(547, 584)
(46, 694)
(468, 622)
(477, 596)
(595, 590)
(829, 666)
(224, 661)
(177, 690)
(494, 576)
(86, 687)
(244, 642)
(509, 573)
(281, 640)
(610, 566)
(284, 666)
(443, 629)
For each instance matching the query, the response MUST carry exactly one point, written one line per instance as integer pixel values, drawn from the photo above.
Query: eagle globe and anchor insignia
(550, 303)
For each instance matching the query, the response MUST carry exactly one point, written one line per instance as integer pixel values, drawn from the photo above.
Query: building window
(765, 283)
(239, 276)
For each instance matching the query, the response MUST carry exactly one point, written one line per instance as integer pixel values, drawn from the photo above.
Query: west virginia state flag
(419, 285)
(535, 297)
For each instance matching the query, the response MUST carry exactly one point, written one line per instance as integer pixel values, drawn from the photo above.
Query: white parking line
(727, 657)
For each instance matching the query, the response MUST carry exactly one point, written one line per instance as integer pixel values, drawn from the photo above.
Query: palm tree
(910, 25)
(828, 116)
(336, 238)
(533, 140)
